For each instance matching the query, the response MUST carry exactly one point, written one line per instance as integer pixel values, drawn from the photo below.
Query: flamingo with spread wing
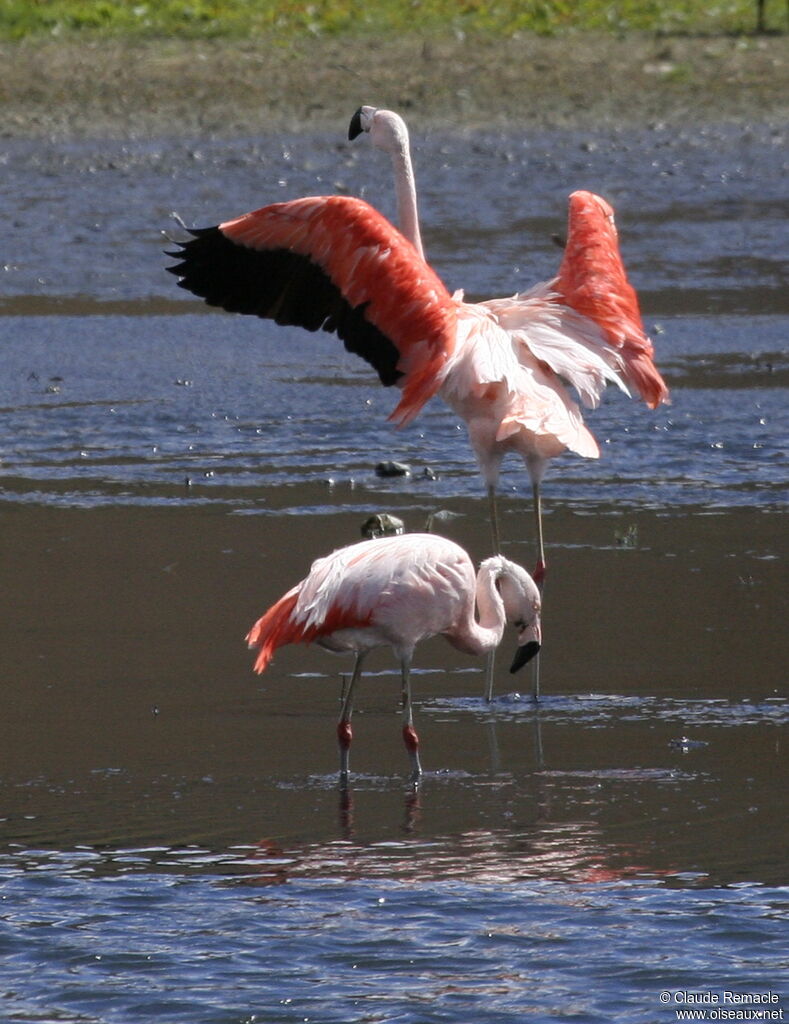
(335, 263)
(583, 327)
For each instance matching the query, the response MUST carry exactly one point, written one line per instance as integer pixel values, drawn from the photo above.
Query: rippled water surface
(173, 845)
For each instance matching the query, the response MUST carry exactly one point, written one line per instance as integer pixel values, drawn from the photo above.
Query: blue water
(182, 947)
(256, 408)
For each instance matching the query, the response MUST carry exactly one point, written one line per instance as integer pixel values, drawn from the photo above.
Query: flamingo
(337, 264)
(583, 326)
(397, 591)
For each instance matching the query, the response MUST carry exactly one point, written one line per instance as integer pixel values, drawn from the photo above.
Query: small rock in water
(441, 516)
(684, 744)
(392, 469)
(382, 524)
(627, 538)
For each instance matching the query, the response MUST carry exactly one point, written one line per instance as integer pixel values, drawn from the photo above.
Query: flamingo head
(522, 606)
(386, 129)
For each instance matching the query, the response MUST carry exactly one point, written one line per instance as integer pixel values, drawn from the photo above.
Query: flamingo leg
(490, 661)
(539, 571)
(539, 579)
(490, 665)
(535, 678)
(494, 519)
(410, 737)
(344, 731)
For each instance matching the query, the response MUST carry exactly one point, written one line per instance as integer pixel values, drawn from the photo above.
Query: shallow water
(173, 845)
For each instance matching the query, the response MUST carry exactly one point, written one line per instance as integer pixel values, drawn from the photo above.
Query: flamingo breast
(509, 399)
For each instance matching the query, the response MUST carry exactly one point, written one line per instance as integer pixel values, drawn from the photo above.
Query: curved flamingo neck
(478, 636)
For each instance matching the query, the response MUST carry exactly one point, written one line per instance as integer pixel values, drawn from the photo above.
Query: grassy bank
(128, 69)
(285, 21)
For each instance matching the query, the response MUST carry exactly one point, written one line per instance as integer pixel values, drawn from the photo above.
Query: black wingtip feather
(279, 285)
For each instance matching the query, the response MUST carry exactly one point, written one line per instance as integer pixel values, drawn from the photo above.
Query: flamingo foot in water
(411, 741)
(344, 737)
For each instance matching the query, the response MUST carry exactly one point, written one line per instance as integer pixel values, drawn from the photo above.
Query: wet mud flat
(214, 87)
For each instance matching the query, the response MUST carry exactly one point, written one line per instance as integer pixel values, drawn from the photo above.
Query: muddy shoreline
(222, 88)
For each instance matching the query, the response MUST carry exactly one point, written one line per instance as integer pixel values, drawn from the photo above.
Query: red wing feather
(280, 625)
(592, 280)
(332, 262)
(274, 629)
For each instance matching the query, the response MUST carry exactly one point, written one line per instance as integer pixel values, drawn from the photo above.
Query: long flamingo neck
(405, 193)
(480, 635)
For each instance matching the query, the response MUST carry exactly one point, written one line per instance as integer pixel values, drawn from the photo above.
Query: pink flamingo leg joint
(411, 741)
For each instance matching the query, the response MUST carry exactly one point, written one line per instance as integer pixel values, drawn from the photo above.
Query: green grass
(287, 19)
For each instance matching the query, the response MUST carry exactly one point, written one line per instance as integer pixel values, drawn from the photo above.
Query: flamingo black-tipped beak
(355, 127)
(524, 654)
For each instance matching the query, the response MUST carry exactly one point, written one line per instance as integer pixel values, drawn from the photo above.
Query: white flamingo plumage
(397, 591)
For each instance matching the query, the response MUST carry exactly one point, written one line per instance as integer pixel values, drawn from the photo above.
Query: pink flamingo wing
(398, 588)
(274, 629)
(332, 263)
(592, 280)
(285, 623)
